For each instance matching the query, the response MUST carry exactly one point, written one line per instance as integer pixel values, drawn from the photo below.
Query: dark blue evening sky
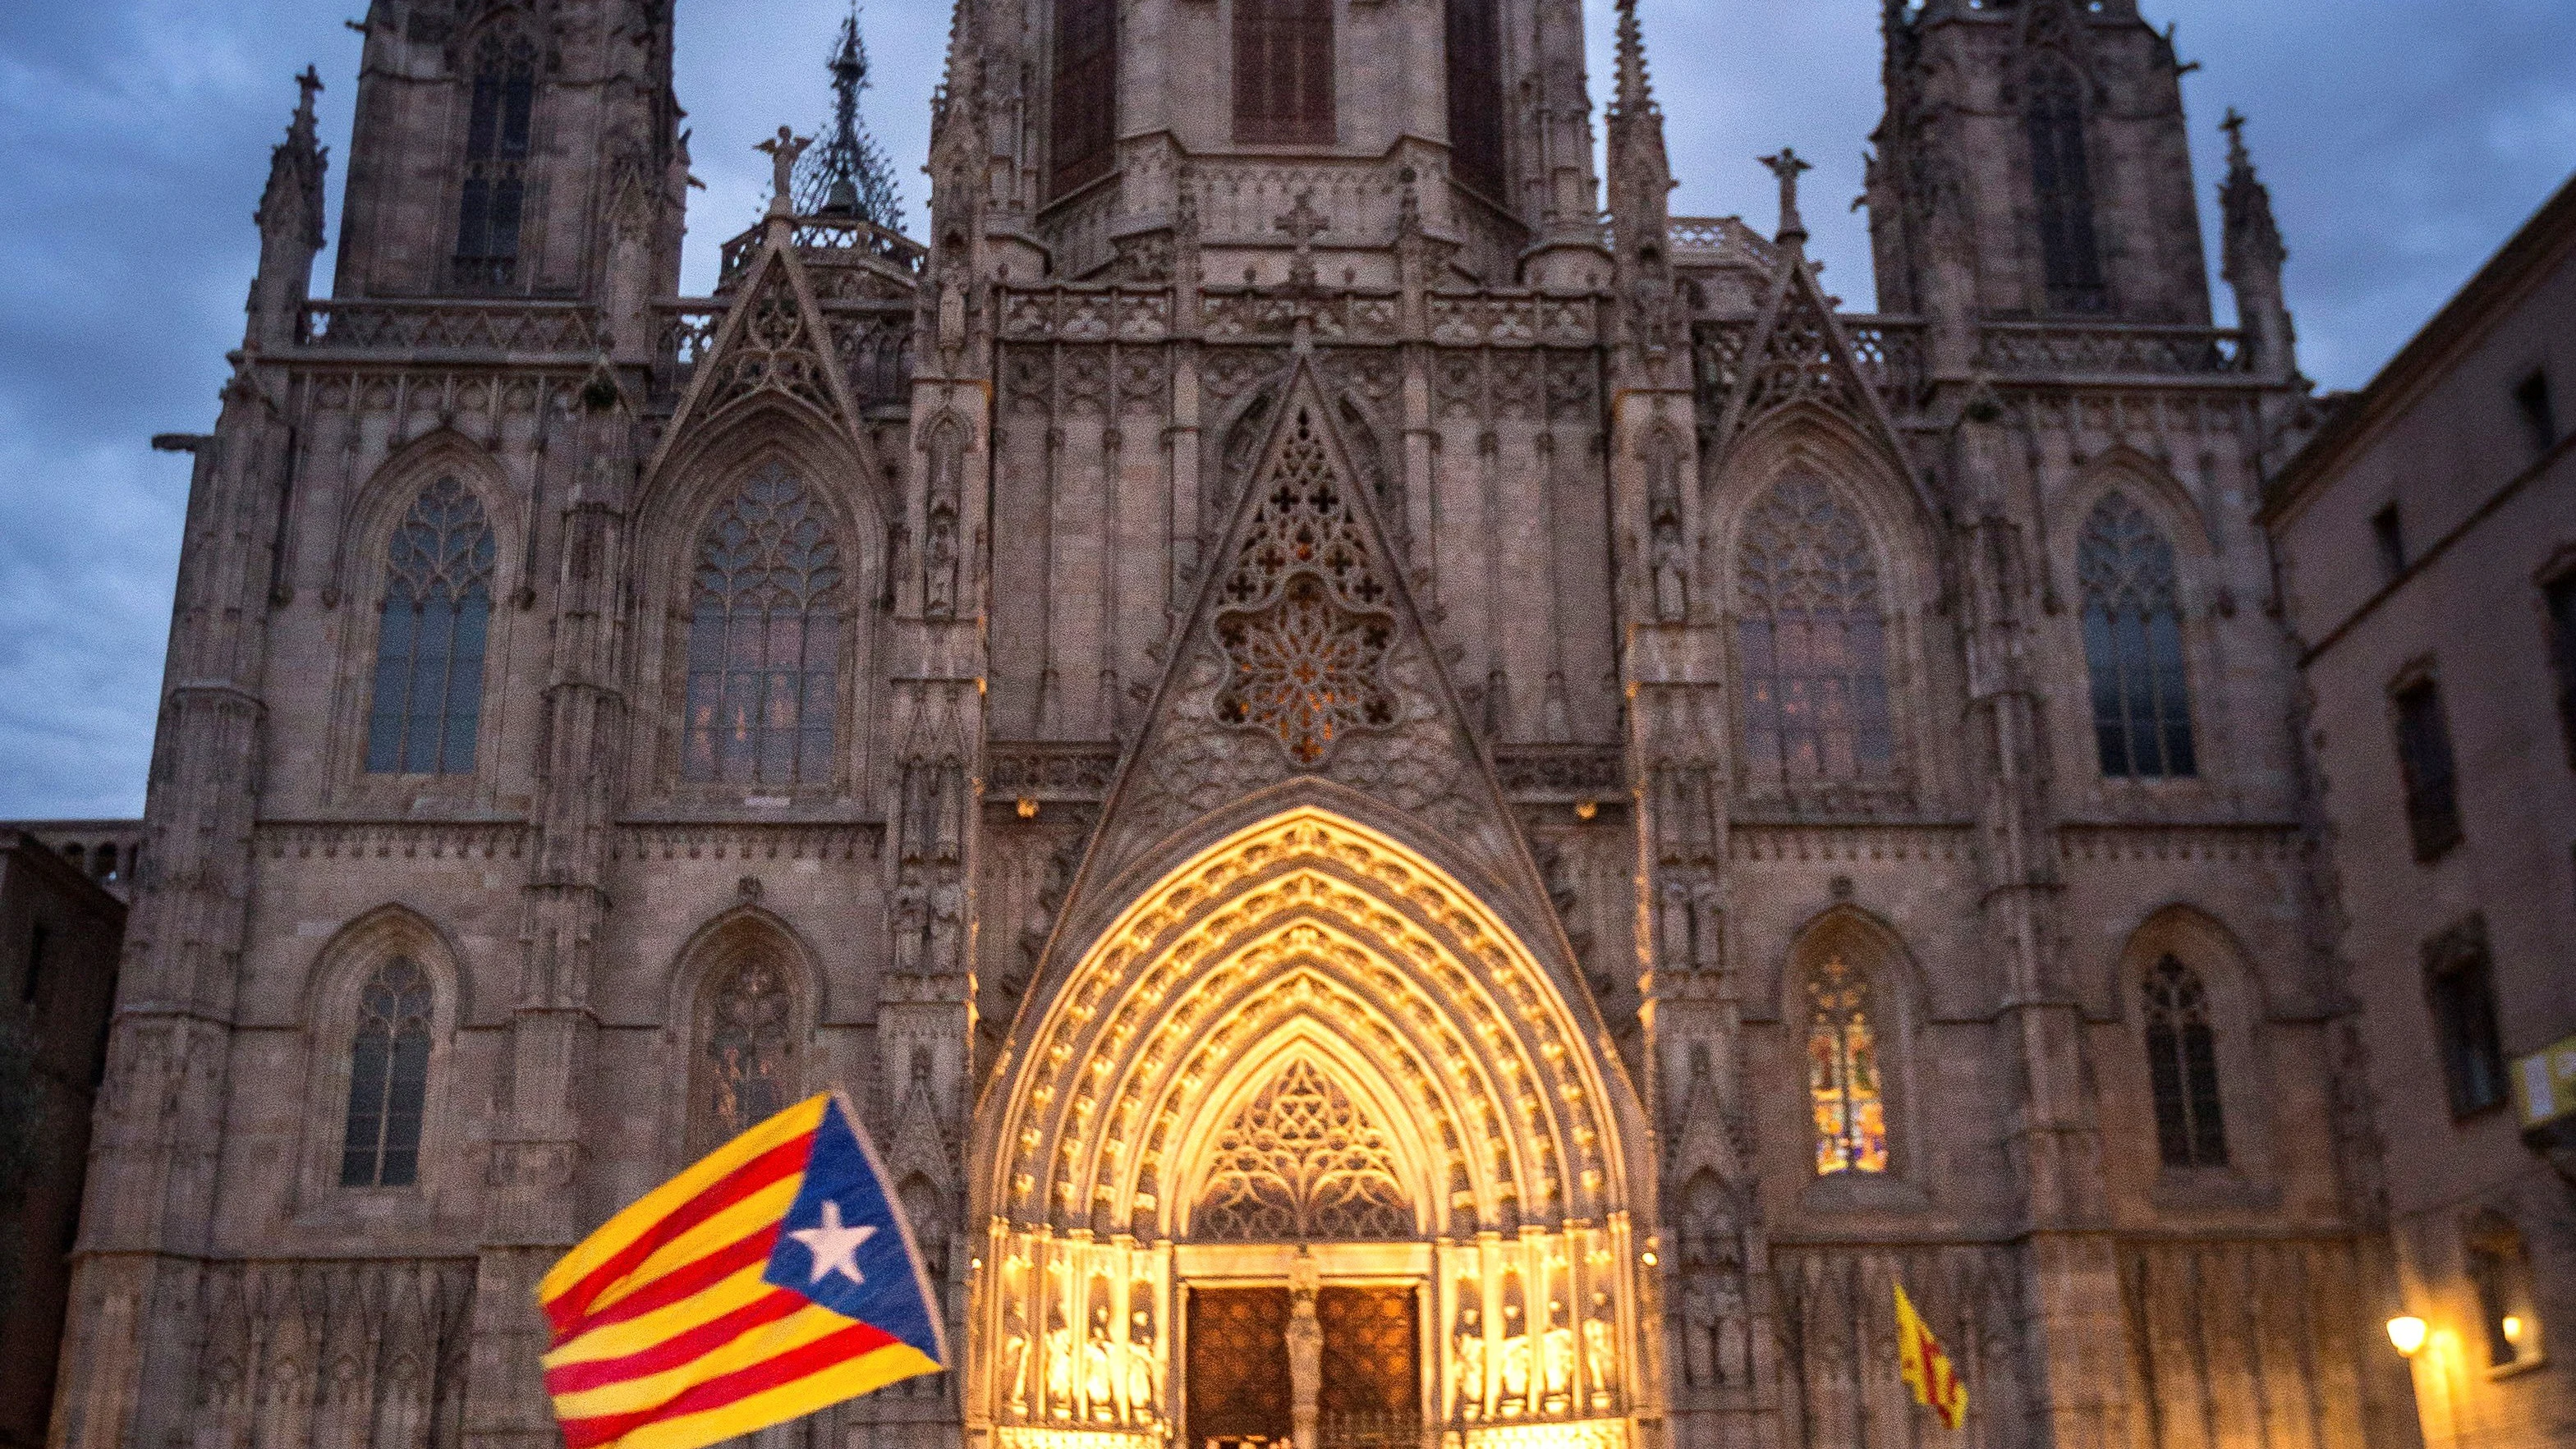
(2404, 140)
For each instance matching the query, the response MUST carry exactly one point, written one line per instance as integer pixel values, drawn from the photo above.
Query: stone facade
(1706, 805)
(2424, 537)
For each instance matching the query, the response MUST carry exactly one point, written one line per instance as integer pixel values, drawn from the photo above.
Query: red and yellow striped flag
(775, 1278)
(1926, 1367)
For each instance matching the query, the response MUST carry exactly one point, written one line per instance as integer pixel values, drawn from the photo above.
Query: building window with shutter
(1283, 72)
(2426, 766)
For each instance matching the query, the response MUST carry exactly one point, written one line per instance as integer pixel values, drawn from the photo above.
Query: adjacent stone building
(2428, 552)
(1326, 718)
(60, 928)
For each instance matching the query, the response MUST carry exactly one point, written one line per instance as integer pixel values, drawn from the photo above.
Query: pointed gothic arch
(2221, 1108)
(393, 982)
(745, 994)
(1301, 953)
(1849, 966)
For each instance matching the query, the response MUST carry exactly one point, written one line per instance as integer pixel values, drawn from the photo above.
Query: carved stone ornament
(1301, 1161)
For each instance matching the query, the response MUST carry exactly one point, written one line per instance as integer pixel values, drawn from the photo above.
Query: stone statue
(1600, 1356)
(1141, 1397)
(1059, 1371)
(1467, 1365)
(1699, 1336)
(1015, 1361)
(1515, 1365)
(783, 152)
(911, 903)
(1099, 1377)
(1556, 1356)
(947, 923)
(1305, 1353)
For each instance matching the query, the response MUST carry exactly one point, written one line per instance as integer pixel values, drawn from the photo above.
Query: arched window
(496, 160)
(749, 1047)
(1476, 94)
(429, 648)
(1083, 121)
(1283, 72)
(2182, 1057)
(765, 640)
(2061, 179)
(2133, 645)
(1843, 1079)
(388, 1079)
(1813, 643)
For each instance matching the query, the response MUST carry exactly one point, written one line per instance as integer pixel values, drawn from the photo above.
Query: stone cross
(783, 152)
(1788, 166)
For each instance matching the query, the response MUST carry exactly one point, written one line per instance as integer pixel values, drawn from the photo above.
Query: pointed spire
(2253, 236)
(1636, 87)
(293, 201)
(848, 173)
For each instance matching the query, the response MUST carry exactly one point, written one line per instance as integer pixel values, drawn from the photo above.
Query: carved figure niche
(1301, 1161)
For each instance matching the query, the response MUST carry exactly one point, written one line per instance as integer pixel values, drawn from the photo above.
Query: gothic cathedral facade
(1423, 805)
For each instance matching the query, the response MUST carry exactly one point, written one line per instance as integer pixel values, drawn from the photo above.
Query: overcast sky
(2404, 140)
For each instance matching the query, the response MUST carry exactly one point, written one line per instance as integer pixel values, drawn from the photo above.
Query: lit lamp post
(2407, 1333)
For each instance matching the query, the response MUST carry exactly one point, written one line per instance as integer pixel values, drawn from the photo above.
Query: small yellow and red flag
(1927, 1367)
(775, 1278)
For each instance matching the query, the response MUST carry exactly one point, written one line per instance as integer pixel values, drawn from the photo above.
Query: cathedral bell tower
(516, 148)
(1114, 127)
(2034, 163)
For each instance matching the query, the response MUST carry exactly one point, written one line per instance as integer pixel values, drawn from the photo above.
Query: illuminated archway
(1480, 1133)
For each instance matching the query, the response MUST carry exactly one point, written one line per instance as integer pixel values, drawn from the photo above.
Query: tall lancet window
(1082, 134)
(2133, 645)
(2182, 1059)
(1283, 72)
(2061, 177)
(1476, 94)
(388, 1079)
(429, 645)
(765, 640)
(1843, 1082)
(1813, 643)
(497, 133)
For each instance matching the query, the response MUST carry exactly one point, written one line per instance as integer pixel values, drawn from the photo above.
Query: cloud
(2404, 140)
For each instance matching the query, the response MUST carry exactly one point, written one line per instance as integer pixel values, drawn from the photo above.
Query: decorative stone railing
(2059, 349)
(826, 240)
(513, 329)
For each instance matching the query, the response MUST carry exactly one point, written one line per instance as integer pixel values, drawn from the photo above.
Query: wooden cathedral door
(1236, 1385)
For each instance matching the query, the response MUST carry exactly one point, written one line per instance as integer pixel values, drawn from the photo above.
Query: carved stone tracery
(1301, 1161)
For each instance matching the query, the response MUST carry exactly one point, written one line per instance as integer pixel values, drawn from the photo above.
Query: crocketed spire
(847, 173)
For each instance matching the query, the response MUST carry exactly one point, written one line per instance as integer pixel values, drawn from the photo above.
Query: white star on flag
(835, 1248)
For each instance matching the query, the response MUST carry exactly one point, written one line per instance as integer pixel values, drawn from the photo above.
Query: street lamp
(2407, 1333)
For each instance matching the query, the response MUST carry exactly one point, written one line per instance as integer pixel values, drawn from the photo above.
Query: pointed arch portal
(1306, 1083)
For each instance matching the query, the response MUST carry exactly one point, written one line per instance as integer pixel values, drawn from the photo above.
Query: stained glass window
(2133, 645)
(428, 698)
(750, 1019)
(765, 640)
(2182, 1058)
(1283, 72)
(2061, 177)
(497, 134)
(388, 1079)
(1843, 1071)
(1813, 642)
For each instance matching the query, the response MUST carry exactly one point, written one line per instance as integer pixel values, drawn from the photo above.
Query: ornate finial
(2252, 236)
(1788, 165)
(1636, 94)
(848, 173)
(783, 152)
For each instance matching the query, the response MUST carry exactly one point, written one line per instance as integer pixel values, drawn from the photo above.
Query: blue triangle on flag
(845, 1246)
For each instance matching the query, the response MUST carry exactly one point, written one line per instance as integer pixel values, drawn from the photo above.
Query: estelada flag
(775, 1278)
(1926, 1367)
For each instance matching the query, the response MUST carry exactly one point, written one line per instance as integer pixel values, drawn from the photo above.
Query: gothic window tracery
(1083, 123)
(763, 685)
(1303, 618)
(750, 1043)
(388, 1079)
(2182, 1059)
(1843, 1077)
(497, 135)
(428, 695)
(1302, 1161)
(2062, 187)
(1813, 643)
(2133, 645)
(1283, 72)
